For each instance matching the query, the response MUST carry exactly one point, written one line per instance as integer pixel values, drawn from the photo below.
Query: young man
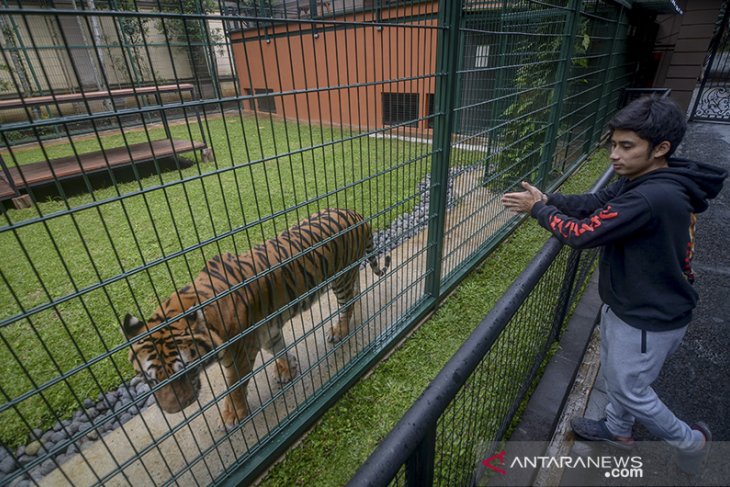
(644, 223)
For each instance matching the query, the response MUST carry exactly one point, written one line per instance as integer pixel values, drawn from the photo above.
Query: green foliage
(261, 5)
(134, 31)
(5, 85)
(188, 29)
(18, 69)
(522, 141)
(193, 32)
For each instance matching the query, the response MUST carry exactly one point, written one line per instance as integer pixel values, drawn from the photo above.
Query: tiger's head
(176, 347)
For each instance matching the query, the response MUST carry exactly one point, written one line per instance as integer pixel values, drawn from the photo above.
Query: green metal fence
(467, 409)
(142, 139)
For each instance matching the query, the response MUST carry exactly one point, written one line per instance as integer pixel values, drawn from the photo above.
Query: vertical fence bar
(566, 55)
(566, 290)
(445, 95)
(607, 79)
(419, 467)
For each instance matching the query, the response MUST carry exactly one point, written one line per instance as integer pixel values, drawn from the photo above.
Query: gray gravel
(408, 225)
(46, 450)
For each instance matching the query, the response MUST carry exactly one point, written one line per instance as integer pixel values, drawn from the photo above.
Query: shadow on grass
(78, 185)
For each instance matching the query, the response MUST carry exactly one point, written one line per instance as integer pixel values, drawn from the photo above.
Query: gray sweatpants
(631, 363)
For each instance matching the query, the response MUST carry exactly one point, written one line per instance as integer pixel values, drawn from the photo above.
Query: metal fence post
(608, 80)
(419, 467)
(447, 64)
(566, 55)
(566, 292)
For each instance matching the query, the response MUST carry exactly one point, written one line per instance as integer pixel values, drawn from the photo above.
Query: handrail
(91, 95)
(416, 426)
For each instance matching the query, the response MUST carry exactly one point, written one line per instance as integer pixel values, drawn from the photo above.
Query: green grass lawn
(335, 448)
(135, 237)
(51, 253)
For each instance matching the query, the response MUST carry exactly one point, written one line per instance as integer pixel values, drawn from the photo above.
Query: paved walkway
(695, 382)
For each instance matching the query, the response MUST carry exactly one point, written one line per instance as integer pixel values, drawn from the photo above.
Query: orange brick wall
(352, 65)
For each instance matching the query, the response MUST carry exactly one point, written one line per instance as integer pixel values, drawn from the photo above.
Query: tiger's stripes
(327, 246)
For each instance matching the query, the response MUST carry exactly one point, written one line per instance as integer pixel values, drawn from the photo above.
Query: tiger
(234, 292)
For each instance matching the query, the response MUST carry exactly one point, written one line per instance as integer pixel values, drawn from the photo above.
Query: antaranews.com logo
(648, 464)
(614, 467)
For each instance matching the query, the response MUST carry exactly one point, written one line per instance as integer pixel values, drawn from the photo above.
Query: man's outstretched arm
(615, 220)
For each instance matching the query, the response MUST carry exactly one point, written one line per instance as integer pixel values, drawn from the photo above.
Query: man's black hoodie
(646, 229)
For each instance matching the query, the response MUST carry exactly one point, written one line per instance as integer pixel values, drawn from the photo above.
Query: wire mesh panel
(508, 50)
(583, 115)
(218, 214)
(150, 140)
(479, 414)
(537, 82)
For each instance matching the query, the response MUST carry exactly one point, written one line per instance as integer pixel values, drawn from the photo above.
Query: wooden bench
(12, 182)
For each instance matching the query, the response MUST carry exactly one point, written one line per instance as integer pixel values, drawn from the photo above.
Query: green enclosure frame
(286, 118)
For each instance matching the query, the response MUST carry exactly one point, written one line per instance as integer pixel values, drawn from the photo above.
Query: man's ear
(661, 149)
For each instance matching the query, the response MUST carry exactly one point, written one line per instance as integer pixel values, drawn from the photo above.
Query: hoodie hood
(702, 181)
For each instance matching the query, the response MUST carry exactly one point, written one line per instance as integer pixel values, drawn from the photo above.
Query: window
(262, 103)
(230, 10)
(482, 57)
(430, 101)
(266, 103)
(400, 108)
(251, 101)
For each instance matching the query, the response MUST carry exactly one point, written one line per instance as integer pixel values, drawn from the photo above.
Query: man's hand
(522, 202)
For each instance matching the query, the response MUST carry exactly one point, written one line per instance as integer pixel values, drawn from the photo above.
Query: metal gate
(712, 101)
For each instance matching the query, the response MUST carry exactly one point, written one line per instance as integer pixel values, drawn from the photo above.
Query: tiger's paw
(337, 333)
(287, 367)
(233, 413)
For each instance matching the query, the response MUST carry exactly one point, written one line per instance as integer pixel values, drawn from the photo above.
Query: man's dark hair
(654, 119)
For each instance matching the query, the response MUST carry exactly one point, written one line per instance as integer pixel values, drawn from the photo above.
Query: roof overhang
(658, 6)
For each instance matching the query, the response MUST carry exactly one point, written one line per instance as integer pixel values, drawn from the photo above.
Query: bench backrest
(92, 95)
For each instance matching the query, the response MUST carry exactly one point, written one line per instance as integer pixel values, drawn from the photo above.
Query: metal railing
(710, 100)
(451, 427)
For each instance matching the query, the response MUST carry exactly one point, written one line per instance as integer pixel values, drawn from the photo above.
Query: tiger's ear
(197, 324)
(196, 321)
(131, 326)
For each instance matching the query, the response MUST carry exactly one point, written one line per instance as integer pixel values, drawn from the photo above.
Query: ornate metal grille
(712, 101)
